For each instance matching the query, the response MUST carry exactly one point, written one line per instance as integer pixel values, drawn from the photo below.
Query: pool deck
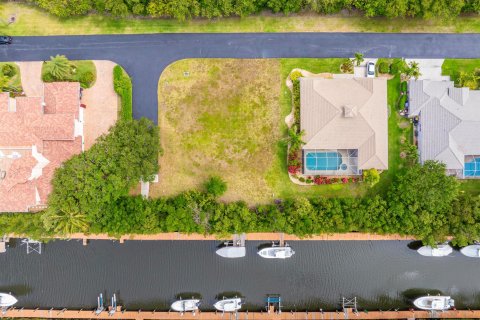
(285, 315)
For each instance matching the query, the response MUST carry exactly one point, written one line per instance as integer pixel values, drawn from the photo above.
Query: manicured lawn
(32, 21)
(453, 67)
(82, 67)
(215, 120)
(471, 186)
(15, 82)
(399, 133)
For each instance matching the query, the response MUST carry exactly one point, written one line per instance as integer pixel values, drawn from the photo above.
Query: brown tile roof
(36, 136)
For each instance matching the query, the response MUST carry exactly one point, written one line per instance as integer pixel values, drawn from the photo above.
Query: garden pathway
(31, 75)
(102, 103)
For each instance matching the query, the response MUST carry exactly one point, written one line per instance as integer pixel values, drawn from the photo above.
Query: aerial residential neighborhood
(266, 160)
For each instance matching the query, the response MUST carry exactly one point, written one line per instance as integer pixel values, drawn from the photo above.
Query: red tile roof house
(36, 135)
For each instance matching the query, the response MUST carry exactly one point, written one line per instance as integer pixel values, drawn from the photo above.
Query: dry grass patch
(215, 120)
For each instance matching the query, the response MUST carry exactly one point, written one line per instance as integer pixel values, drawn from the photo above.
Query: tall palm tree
(59, 67)
(358, 58)
(295, 138)
(65, 221)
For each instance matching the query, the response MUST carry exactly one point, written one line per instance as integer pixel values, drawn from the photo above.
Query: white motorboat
(228, 305)
(471, 251)
(437, 303)
(231, 252)
(441, 250)
(276, 252)
(7, 300)
(185, 305)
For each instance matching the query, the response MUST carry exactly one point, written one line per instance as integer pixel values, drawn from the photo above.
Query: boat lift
(32, 246)
(113, 307)
(100, 305)
(349, 304)
(274, 303)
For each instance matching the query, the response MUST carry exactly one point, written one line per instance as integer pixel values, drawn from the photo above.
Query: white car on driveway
(370, 69)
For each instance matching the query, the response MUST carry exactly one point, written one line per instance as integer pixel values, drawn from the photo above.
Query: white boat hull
(276, 252)
(7, 300)
(228, 305)
(185, 305)
(441, 250)
(231, 252)
(436, 303)
(472, 251)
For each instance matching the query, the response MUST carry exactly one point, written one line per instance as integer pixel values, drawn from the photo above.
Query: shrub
(48, 77)
(398, 66)
(371, 177)
(215, 186)
(384, 67)
(86, 79)
(9, 70)
(295, 75)
(309, 181)
(301, 179)
(347, 66)
(403, 86)
(122, 84)
(403, 99)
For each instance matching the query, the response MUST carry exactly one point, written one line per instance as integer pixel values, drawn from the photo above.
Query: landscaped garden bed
(10, 80)
(59, 68)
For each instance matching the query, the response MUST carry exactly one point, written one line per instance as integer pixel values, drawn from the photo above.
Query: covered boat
(276, 252)
(437, 303)
(7, 300)
(228, 305)
(471, 251)
(185, 305)
(441, 250)
(231, 252)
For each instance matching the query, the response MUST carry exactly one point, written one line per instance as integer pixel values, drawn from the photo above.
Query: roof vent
(349, 111)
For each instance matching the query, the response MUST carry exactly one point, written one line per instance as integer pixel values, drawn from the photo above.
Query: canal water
(150, 274)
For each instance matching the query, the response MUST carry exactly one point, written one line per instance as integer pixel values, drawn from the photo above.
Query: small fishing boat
(7, 300)
(471, 251)
(185, 305)
(228, 305)
(441, 250)
(276, 252)
(437, 303)
(231, 251)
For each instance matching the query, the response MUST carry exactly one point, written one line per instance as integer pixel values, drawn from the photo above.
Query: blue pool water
(472, 169)
(323, 160)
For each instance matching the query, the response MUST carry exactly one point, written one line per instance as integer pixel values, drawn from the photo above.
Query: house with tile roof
(36, 135)
(448, 125)
(345, 120)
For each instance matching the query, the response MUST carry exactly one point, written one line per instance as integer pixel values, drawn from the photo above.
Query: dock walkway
(244, 315)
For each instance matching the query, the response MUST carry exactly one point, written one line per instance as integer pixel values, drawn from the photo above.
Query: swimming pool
(323, 160)
(472, 168)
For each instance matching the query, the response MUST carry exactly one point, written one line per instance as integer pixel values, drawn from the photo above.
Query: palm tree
(295, 138)
(413, 70)
(358, 58)
(65, 221)
(59, 67)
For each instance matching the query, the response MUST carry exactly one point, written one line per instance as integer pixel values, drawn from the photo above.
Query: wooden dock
(244, 315)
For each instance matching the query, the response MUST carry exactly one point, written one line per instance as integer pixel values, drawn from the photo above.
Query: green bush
(384, 67)
(295, 75)
(371, 177)
(215, 186)
(296, 102)
(403, 86)
(48, 77)
(86, 79)
(403, 99)
(122, 85)
(398, 66)
(9, 70)
(301, 179)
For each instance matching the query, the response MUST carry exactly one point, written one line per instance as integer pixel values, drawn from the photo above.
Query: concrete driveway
(145, 56)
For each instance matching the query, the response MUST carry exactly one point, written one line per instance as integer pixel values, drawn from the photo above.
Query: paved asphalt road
(145, 56)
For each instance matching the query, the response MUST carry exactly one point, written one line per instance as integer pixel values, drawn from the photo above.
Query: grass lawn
(32, 21)
(82, 67)
(215, 120)
(15, 82)
(453, 67)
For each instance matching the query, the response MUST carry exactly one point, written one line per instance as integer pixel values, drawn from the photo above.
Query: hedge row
(123, 87)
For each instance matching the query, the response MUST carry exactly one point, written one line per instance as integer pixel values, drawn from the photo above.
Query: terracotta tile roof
(36, 136)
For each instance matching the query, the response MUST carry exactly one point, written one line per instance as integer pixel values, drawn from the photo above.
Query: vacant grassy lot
(453, 67)
(32, 21)
(216, 120)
